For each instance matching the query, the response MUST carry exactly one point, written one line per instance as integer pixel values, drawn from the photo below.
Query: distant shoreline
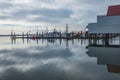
(5, 35)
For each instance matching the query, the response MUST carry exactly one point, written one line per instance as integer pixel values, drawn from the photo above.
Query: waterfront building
(106, 24)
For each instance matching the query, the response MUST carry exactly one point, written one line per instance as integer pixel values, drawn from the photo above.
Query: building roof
(113, 10)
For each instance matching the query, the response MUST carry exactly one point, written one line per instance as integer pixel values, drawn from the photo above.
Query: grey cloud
(46, 1)
(94, 1)
(5, 5)
(51, 13)
(44, 15)
(45, 72)
(51, 71)
(6, 62)
(4, 17)
(44, 55)
(45, 19)
(4, 51)
(22, 11)
(22, 56)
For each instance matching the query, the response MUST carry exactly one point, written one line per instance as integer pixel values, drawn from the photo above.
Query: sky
(22, 15)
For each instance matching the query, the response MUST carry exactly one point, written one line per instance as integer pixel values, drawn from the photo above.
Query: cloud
(7, 63)
(45, 72)
(77, 13)
(48, 54)
(42, 15)
(45, 19)
(52, 71)
(4, 17)
(19, 57)
(5, 5)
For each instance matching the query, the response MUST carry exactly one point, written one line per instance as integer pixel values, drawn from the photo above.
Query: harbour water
(26, 59)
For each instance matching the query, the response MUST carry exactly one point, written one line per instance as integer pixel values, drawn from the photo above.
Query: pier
(55, 34)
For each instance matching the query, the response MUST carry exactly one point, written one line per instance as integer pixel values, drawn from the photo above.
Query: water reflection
(106, 55)
(67, 42)
(13, 41)
(33, 63)
(49, 60)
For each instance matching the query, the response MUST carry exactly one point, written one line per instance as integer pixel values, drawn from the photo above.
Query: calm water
(57, 60)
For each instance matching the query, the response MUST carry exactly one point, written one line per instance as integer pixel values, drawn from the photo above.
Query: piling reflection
(13, 41)
(106, 55)
(67, 42)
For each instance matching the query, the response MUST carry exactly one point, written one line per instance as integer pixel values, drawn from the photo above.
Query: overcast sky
(51, 13)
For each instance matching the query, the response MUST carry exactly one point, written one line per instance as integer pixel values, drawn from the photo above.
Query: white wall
(93, 28)
(105, 24)
(108, 19)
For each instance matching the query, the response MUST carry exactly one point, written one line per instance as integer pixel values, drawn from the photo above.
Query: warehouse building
(107, 26)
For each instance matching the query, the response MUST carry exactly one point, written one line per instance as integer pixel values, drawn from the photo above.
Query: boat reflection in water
(106, 55)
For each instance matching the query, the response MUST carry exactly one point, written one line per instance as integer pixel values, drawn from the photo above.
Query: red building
(113, 10)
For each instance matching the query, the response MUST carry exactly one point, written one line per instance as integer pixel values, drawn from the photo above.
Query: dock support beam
(107, 39)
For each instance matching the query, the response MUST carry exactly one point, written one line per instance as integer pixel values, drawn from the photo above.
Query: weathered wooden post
(27, 35)
(36, 35)
(107, 39)
(42, 34)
